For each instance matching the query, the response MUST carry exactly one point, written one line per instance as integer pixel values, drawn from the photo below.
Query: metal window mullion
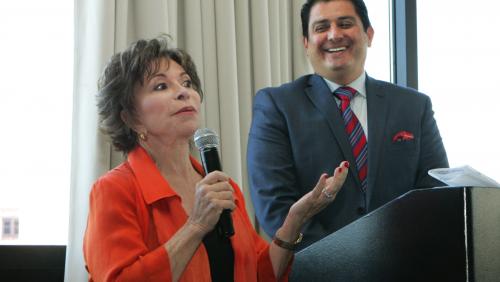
(405, 62)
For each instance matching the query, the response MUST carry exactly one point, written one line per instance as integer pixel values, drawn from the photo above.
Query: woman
(151, 218)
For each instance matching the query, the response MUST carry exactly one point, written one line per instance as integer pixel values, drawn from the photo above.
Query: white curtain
(238, 46)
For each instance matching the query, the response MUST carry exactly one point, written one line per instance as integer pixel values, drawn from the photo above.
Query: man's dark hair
(359, 6)
(140, 61)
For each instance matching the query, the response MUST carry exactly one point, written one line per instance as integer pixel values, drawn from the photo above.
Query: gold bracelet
(287, 245)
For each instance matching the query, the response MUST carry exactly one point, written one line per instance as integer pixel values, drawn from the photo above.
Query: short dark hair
(359, 6)
(140, 61)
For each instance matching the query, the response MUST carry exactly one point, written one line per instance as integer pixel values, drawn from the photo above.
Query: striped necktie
(355, 133)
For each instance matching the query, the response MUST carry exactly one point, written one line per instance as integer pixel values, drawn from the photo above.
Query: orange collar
(152, 184)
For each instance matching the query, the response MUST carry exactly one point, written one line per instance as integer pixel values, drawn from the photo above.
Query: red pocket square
(402, 136)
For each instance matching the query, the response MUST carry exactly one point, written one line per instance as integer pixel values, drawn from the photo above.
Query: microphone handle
(211, 162)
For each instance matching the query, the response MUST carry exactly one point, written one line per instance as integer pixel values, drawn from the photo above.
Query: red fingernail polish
(340, 170)
(346, 164)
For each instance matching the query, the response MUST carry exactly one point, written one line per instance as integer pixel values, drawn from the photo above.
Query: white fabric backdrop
(238, 46)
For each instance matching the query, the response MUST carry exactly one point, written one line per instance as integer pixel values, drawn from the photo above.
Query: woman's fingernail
(340, 170)
(346, 164)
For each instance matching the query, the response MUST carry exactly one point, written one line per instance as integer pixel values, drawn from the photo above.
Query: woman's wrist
(294, 222)
(288, 234)
(196, 229)
(288, 245)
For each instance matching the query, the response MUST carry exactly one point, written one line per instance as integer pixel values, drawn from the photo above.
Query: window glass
(10, 228)
(378, 61)
(458, 67)
(36, 54)
(6, 227)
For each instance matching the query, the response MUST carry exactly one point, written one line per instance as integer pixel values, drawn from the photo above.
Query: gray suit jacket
(297, 134)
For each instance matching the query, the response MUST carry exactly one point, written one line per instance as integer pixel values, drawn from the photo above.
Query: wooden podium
(437, 234)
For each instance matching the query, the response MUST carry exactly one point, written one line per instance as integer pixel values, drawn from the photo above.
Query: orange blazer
(134, 211)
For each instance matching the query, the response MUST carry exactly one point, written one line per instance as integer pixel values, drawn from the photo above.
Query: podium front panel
(417, 237)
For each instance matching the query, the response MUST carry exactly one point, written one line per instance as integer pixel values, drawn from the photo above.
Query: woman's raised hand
(322, 195)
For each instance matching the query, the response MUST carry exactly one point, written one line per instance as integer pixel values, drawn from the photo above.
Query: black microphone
(207, 141)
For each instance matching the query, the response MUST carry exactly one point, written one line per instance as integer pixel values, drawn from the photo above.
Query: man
(306, 127)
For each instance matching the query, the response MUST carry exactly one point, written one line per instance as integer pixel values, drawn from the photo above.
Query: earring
(142, 136)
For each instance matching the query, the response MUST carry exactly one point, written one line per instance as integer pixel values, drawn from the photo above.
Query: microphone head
(205, 138)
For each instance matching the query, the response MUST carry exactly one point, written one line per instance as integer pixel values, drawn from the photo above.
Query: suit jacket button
(361, 211)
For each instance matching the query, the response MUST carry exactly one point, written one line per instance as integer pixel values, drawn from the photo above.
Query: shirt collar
(358, 84)
(152, 184)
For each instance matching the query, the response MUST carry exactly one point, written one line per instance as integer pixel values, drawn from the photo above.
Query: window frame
(405, 52)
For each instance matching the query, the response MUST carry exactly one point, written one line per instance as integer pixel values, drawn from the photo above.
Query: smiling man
(304, 128)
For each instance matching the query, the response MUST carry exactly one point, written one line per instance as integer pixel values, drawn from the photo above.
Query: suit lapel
(377, 119)
(319, 94)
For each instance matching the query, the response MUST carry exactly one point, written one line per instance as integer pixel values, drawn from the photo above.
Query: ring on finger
(327, 194)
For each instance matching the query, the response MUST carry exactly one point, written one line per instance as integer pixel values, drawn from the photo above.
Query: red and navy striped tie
(355, 133)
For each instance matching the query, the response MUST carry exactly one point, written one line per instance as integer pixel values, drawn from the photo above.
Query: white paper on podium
(462, 176)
